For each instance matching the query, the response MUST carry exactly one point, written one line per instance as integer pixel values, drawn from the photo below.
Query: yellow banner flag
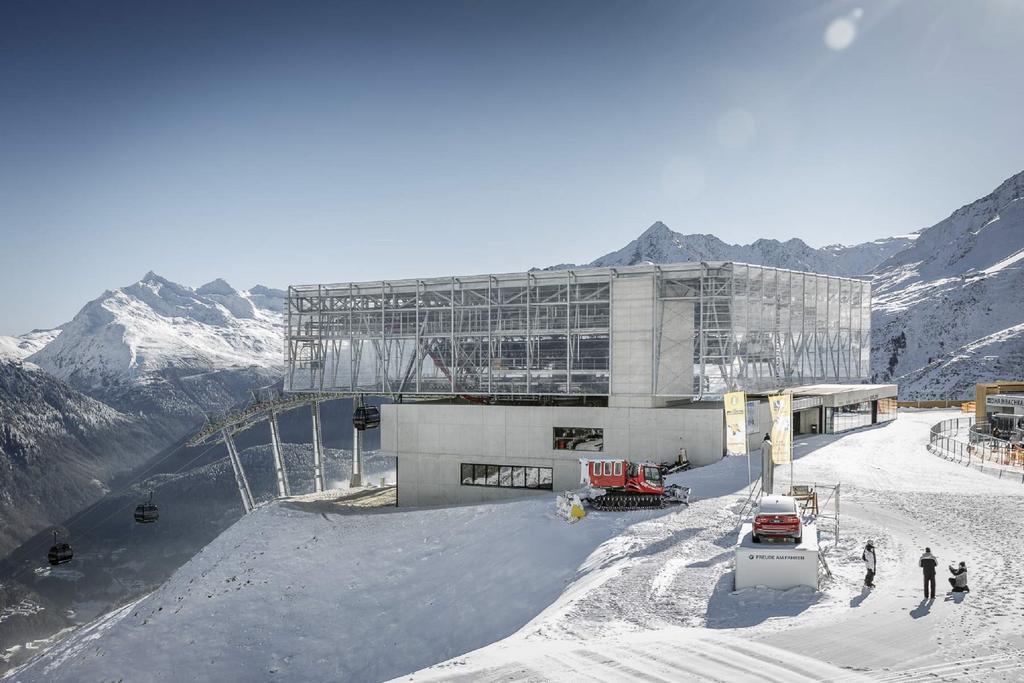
(736, 423)
(782, 428)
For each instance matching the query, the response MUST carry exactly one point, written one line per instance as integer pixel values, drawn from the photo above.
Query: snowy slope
(660, 244)
(308, 596)
(23, 346)
(948, 310)
(156, 324)
(299, 595)
(664, 589)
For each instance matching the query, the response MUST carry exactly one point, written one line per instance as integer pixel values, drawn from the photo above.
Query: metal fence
(958, 441)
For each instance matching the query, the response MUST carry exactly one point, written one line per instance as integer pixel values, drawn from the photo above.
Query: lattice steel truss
(714, 327)
(523, 334)
(759, 329)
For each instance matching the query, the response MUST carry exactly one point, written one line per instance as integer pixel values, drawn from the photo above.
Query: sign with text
(1007, 400)
(736, 423)
(781, 407)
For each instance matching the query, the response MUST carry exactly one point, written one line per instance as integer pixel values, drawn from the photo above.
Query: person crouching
(958, 582)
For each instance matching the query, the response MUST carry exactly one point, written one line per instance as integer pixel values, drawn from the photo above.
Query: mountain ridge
(660, 244)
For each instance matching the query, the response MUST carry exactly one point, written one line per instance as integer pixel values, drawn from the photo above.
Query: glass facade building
(677, 330)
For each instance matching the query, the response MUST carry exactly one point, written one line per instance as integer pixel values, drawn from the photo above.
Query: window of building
(518, 478)
(507, 476)
(844, 418)
(886, 409)
(545, 478)
(578, 439)
(532, 478)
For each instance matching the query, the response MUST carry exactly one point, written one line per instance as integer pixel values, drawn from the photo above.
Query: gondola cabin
(60, 553)
(148, 512)
(366, 417)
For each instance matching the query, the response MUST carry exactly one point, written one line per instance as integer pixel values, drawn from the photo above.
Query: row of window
(506, 476)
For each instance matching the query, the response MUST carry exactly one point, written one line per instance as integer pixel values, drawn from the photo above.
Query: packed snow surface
(510, 591)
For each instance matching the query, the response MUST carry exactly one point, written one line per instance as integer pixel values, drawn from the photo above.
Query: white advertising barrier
(777, 565)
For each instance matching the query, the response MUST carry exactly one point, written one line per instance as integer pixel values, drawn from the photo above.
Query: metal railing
(959, 440)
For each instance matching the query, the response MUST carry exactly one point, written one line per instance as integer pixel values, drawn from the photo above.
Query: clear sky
(289, 142)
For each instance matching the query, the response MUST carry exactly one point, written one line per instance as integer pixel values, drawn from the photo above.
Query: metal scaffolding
(266, 405)
(714, 327)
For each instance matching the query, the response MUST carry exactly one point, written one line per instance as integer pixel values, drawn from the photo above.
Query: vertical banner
(736, 423)
(782, 428)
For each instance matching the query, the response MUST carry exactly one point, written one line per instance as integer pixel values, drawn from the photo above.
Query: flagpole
(748, 466)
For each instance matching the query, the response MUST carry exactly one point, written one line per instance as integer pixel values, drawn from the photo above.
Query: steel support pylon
(283, 489)
(318, 449)
(357, 459)
(236, 464)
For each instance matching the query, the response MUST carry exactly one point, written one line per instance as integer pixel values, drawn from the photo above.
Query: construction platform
(339, 500)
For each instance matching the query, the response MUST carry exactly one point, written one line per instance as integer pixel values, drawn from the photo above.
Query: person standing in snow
(869, 563)
(958, 582)
(928, 563)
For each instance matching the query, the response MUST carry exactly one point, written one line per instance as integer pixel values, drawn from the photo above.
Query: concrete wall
(675, 348)
(632, 343)
(431, 441)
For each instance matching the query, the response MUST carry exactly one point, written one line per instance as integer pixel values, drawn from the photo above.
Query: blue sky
(281, 143)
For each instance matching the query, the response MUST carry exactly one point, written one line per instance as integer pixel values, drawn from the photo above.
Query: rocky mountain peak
(218, 286)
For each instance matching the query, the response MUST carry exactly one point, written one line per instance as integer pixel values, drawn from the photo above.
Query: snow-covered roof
(843, 394)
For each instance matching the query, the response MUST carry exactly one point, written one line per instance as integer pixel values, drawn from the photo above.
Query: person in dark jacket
(958, 582)
(928, 563)
(869, 564)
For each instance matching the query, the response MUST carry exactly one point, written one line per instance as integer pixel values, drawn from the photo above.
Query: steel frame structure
(524, 334)
(550, 333)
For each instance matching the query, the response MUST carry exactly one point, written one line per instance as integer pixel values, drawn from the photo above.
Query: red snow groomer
(624, 485)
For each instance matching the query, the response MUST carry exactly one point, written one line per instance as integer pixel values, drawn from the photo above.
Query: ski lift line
(124, 489)
(137, 479)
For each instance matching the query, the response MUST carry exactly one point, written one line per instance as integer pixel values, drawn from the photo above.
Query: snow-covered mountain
(156, 324)
(949, 310)
(660, 244)
(134, 372)
(58, 450)
(23, 346)
(166, 349)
